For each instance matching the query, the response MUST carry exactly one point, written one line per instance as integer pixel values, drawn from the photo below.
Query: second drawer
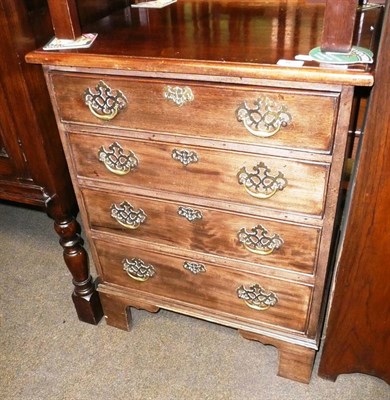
(251, 179)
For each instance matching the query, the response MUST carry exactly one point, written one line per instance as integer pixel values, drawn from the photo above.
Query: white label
(290, 63)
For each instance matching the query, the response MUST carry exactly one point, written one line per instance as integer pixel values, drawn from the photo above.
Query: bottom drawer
(253, 298)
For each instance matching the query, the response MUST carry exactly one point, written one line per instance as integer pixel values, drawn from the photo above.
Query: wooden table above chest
(207, 176)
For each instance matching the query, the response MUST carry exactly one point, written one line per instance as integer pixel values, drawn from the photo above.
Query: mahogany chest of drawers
(206, 193)
(216, 200)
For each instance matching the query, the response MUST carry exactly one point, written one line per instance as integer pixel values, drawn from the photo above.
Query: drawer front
(257, 298)
(239, 237)
(253, 115)
(250, 179)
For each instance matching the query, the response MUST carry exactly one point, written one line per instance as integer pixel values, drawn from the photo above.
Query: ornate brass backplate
(115, 159)
(194, 267)
(137, 269)
(189, 213)
(256, 297)
(260, 183)
(185, 157)
(258, 241)
(126, 215)
(104, 102)
(265, 119)
(178, 95)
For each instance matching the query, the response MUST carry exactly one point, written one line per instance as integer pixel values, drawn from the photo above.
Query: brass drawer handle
(256, 297)
(265, 119)
(186, 157)
(178, 95)
(137, 269)
(259, 183)
(194, 267)
(127, 216)
(258, 241)
(116, 161)
(104, 102)
(189, 213)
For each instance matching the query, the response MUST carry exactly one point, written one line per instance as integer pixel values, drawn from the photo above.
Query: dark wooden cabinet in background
(33, 169)
(358, 332)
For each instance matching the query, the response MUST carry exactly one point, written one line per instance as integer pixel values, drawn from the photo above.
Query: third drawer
(237, 236)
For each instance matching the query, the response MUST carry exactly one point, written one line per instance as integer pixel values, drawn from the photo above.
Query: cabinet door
(12, 161)
(17, 123)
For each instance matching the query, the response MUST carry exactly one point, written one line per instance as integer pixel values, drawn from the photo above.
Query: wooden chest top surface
(223, 38)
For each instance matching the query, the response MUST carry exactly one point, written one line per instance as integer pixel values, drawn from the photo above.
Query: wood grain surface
(231, 39)
(215, 233)
(214, 176)
(215, 289)
(211, 114)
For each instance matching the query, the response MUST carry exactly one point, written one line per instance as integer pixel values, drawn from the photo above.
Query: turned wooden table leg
(85, 297)
(295, 362)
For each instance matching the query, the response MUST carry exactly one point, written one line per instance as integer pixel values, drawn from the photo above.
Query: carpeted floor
(47, 354)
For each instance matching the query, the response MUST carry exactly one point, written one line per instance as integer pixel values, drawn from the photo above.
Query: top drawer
(300, 120)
